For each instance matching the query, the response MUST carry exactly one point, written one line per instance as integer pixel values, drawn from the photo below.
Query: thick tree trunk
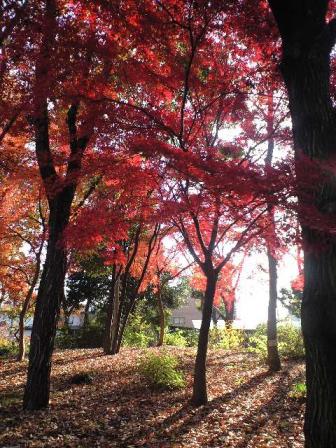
(307, 43)
(200, 396)
(46, 315)
(273, 359)
(60, 193)
(161, 318)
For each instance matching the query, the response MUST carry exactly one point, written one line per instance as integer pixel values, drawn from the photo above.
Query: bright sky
(252, 294)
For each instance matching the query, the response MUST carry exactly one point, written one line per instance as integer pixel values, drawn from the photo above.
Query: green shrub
(191, 336)
(161, 372)
(298, 391)
(7, 347)
(138, 333)
(290, 341)
(226, 338)
(90, 336)
(176, 338)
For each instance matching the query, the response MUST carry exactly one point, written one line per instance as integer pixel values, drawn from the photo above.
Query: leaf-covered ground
(248, 408)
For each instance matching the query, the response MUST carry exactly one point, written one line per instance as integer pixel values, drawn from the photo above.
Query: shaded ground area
(248, 407)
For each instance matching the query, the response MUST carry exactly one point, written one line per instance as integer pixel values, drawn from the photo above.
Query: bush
(82, 378)
(298, 391)
(176, 338)
(160, 371)
(290, 341)
(191, 337)
(138, 333)
(227, 338)
(90, 336)
(7, 347)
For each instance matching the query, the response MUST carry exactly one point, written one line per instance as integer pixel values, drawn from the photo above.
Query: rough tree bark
(60, 194)
(200, 396)
(112, 310)
(307, 43)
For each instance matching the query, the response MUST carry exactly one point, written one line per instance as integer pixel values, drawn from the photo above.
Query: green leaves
(161, 372)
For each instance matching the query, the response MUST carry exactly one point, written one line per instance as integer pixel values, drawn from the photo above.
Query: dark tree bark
(60, 193)
(200, 396)
(214, 316)
(307, 42)
(111, 323)
(87, 312)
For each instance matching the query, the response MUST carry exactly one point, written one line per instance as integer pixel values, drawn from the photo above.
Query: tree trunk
(86, 313)
(60, 192)
(307, 43)
(229, 316)
(22, 348)
(26, 303)
(117, 308)
(273, 359)
(112, 309)
(161, 317)
(121, 328)
(46, 315)
(214, 317)
(200, 396)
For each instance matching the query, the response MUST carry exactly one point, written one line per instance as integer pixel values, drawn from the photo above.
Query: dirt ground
(248, 408)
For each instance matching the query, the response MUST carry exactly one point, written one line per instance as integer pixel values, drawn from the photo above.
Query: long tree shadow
(193, 414)
(261, 416)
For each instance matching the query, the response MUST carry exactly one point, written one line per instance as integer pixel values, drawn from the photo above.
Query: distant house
(75, 321)
(189, 315)
(186, 315)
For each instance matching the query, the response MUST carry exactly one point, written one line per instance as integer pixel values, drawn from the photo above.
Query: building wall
(186, 315)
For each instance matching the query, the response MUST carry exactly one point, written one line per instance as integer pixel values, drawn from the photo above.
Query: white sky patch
(253, 291)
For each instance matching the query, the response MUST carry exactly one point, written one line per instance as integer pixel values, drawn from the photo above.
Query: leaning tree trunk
(200, 395)
(307, 42)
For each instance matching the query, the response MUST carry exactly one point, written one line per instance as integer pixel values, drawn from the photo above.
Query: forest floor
(247, 408)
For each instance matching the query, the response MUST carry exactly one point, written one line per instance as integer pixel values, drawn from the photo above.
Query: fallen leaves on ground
(247, 408)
